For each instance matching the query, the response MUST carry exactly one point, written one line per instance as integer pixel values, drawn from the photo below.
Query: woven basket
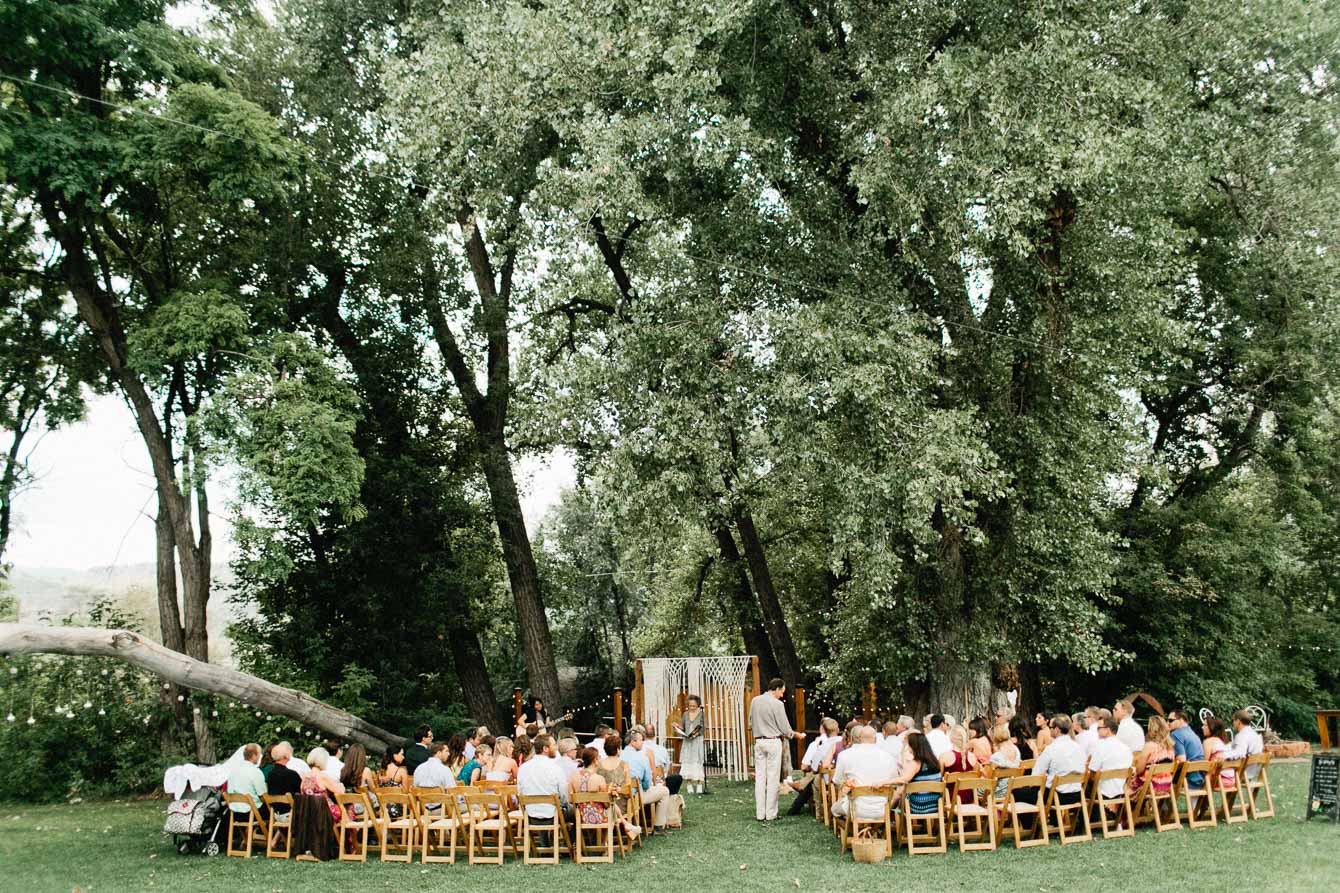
(867, 848)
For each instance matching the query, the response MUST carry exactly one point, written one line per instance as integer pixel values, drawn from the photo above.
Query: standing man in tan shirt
(767, 718)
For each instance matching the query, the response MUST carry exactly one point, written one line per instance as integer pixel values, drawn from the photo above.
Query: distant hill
(53, 593)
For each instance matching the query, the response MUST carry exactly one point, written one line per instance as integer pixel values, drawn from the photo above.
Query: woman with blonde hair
(503, 767)
(1005, 756)
(318, 783)
(1158, 749)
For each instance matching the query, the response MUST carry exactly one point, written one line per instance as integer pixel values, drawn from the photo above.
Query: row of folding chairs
(1032, 813)
(488, 821)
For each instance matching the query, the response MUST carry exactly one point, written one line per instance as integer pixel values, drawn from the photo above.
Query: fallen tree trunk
(17, 638)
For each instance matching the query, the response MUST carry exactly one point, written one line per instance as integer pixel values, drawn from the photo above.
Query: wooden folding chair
(1026, 766)
(487, 817)
(1232, 797)
(280, 825)
(1257, 785)
(534, 851)
(1068, 815)
(601, 831)
(632, 792)
(981, 812)
(1199, 800)
(1014, 809)
(250, 823)
(351, 830)
(437, 813)
(398, 835)
(823, 810)
(1124, 823)
(852, 823)
(935, 822)
(1152, 806)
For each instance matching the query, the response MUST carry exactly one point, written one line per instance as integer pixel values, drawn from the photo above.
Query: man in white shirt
(542, 775)
(567, 751)
(938, 738)
(815, 756)
(864, 764)
(1246, 741)
(433, 772)
(1062, 757)
(297, 765)
(1110, 752)
(334, 765)
(1128, 730)
(1086, 732)
(892, 743)
(660, 759)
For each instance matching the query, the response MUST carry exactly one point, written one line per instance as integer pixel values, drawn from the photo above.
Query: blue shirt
(637, 763)
(1186, 744)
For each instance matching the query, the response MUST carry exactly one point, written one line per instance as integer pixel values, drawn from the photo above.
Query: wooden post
(639, 696)
(749, 731)
(868, 708)
(672, 721)
(618, 711)
(516, 707)
(800, 722)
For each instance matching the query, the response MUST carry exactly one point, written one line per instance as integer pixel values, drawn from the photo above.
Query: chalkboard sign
(1323, 786)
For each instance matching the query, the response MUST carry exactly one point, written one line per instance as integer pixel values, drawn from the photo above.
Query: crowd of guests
(536, 761)
(899, 752)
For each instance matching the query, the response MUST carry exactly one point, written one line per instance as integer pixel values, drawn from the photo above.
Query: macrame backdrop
(721, 682)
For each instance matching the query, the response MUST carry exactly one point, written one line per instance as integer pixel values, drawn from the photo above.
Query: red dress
(960, 764)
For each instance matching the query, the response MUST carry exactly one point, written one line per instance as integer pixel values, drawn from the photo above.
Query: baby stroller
(196, 821)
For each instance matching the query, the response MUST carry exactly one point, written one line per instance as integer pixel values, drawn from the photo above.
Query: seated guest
(282, 779)
(504, 767)
(567, 751)
(613, 769)
(864, 764)
(1062, 757)
(1004, 756)
(588, 780)
(1130, 733)
(652, 794)
(1215, 737)
(246, 778)
(1020, 735)
(963, 759)
(1003, 717)
(920, 765)
(1110, 753)
(979, 741)
(268, 759)
(433, 772)
(521, 749)
(937, 736)
(356, 775)
(1042, 735)
(455, 757)
(472, 738)
(660, 759)
(815, 757)
(892, 742)
(1158, 749)
(471, 770)
(392, 773)
(533, 729)
(296, 763)
(417, 752)
(335, 760)
(1086, 730)
(1246, 742)
(1186, 744)
(319, 783)
(540, 776)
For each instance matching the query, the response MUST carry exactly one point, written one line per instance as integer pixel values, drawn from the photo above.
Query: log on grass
(18, 638)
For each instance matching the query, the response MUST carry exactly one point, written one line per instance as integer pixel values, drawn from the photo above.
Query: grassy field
(115, 846)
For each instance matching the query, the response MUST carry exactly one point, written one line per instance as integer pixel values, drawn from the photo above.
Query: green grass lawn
(114, 846)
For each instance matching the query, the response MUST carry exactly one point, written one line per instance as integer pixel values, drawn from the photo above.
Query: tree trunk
(532, 622)
(169, 624)
(774, 619)
(195, 605)
(467, 655)
(16, 638)
(744, 605)
(961, 689)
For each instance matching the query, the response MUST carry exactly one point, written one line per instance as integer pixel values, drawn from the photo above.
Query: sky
(93, 503)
